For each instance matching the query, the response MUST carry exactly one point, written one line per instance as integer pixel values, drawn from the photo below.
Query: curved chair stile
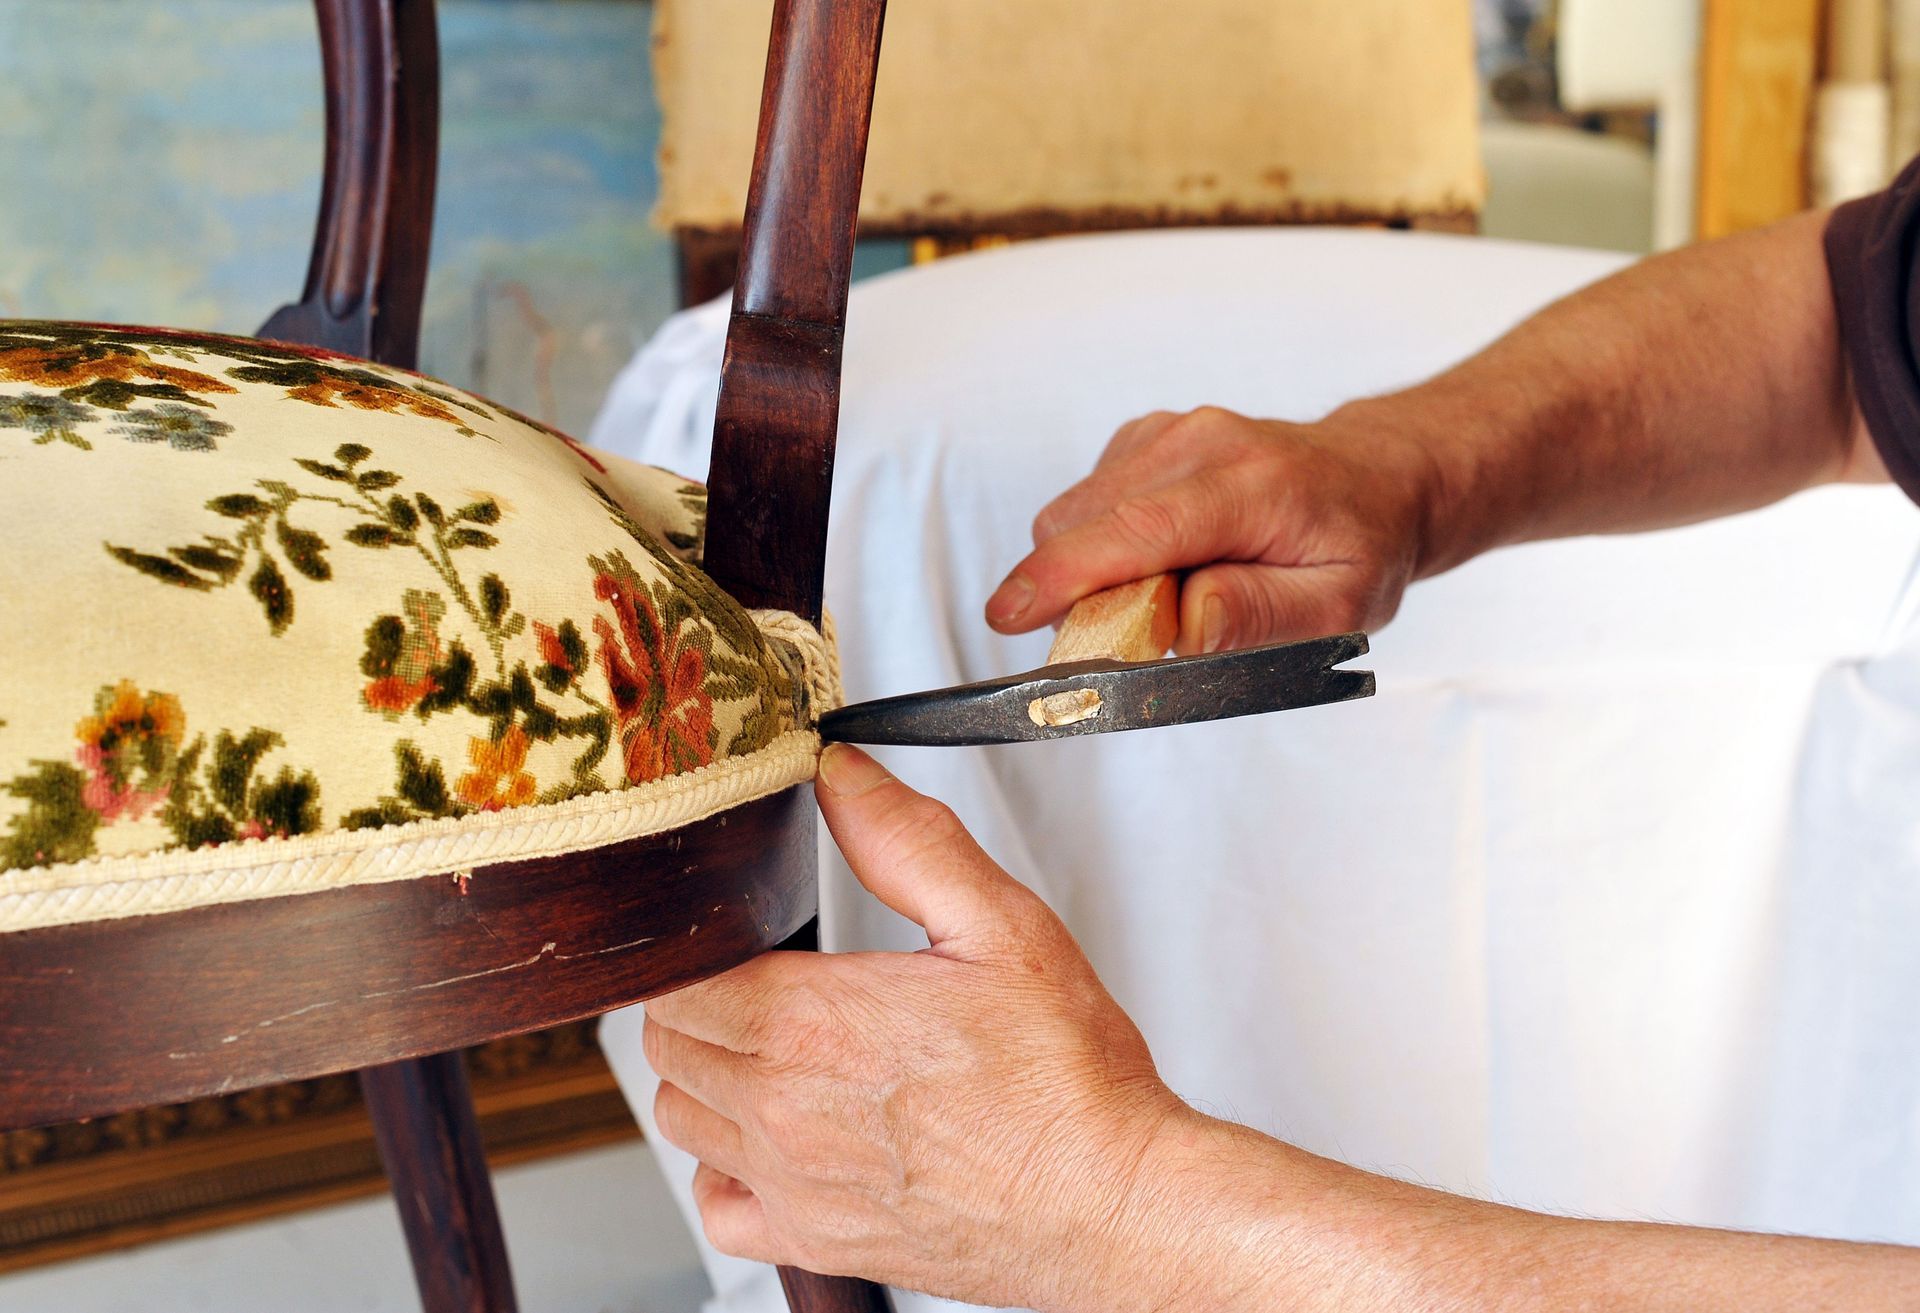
(771, 473)
(367, 276)
(779, 405)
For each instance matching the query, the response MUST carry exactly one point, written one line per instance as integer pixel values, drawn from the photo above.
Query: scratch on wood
(546, 950)
(610, 948)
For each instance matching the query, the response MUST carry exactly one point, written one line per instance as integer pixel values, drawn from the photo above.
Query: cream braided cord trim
(105, 888)
(819, 652)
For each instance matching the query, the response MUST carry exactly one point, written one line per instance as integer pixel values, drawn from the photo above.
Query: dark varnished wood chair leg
(429, 1141)
(808, 1293)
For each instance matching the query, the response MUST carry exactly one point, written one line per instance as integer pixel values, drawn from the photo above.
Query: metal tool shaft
(1098, 697)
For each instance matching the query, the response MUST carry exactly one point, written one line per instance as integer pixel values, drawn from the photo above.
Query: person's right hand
(1289, 531)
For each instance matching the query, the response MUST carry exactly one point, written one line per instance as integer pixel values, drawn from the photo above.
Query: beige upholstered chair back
(1028, 117)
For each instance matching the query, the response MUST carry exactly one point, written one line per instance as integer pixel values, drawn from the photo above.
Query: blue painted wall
(161, 165)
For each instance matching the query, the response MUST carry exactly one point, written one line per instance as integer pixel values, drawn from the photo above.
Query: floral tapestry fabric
(256, 597)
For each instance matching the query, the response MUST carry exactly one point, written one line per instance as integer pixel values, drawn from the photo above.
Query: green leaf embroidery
(238, 506)
(211, 558)
(375, 535)
(324, 470)
(160, 568)
(494, 597)
(57, 826)
(306, 551)
(269, 587)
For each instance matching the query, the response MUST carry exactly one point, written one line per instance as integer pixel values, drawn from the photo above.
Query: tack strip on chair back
(368, 273)
(773, 436)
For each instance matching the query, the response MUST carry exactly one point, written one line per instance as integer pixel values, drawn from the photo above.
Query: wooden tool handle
(1133, 622)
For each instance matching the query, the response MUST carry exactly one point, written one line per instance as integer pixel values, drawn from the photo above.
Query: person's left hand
(972, 1120)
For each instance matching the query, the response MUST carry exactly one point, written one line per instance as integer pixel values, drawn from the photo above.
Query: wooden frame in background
(1758, 63)
(88, 1187)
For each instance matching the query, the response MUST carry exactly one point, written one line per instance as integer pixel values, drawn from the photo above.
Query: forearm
(1698, 383)
(1242, 1221)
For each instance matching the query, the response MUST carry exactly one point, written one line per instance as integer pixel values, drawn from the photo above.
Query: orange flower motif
(552, 650)
(393, 695)
(365, 391)
(402, 654)
(122, 712)
(659, 685)
(129, 736)
(498, 778)
(64, 366)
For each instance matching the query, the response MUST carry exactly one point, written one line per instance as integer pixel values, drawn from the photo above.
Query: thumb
(915, 856)
(1243, 605)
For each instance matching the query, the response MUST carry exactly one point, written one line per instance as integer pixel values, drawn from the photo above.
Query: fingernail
(848, 772)
(1011, 600)
(1213, 623)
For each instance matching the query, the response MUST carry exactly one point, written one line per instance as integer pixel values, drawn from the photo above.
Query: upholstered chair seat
(274, 620)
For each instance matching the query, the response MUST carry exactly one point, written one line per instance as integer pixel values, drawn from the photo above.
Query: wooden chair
(393, 978)
(1000, 120)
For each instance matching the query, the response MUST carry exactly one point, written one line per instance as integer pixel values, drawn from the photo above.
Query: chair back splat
(773, 436)
(367, 277)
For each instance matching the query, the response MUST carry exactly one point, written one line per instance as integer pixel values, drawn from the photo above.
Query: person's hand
(1289, 531)
(978, 1120)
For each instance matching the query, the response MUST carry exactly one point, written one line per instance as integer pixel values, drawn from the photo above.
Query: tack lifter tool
(1103, 676)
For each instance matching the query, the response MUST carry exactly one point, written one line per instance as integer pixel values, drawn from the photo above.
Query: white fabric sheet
(1607, 904)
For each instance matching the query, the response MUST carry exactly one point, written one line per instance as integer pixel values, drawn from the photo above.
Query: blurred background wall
(162, 156)
(163, 167)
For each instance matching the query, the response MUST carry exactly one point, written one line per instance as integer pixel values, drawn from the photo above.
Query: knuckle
(1144, 431)
(917, 824)
(1030, 924)
(721, 1235)
(1214, 428)
(666, 1110)
(1345, 612)
(1146, 521)
(1252, 611)
(786, 1129)
(1209, 417)
(1047, 523)
(808, 1022)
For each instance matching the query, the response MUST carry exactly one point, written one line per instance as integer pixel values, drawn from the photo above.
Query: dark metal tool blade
(1104, 697)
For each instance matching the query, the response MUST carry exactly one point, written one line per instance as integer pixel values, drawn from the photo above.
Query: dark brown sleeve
(1871, 248)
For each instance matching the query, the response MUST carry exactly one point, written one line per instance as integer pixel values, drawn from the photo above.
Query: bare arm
(1695, 384)
(1314, 1235)
(981, 1121)
(1691, 385)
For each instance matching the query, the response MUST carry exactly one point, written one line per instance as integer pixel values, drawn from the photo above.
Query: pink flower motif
(130, 736)
(113, 801)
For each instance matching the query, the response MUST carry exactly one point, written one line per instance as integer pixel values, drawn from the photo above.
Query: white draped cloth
(1607, 904)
